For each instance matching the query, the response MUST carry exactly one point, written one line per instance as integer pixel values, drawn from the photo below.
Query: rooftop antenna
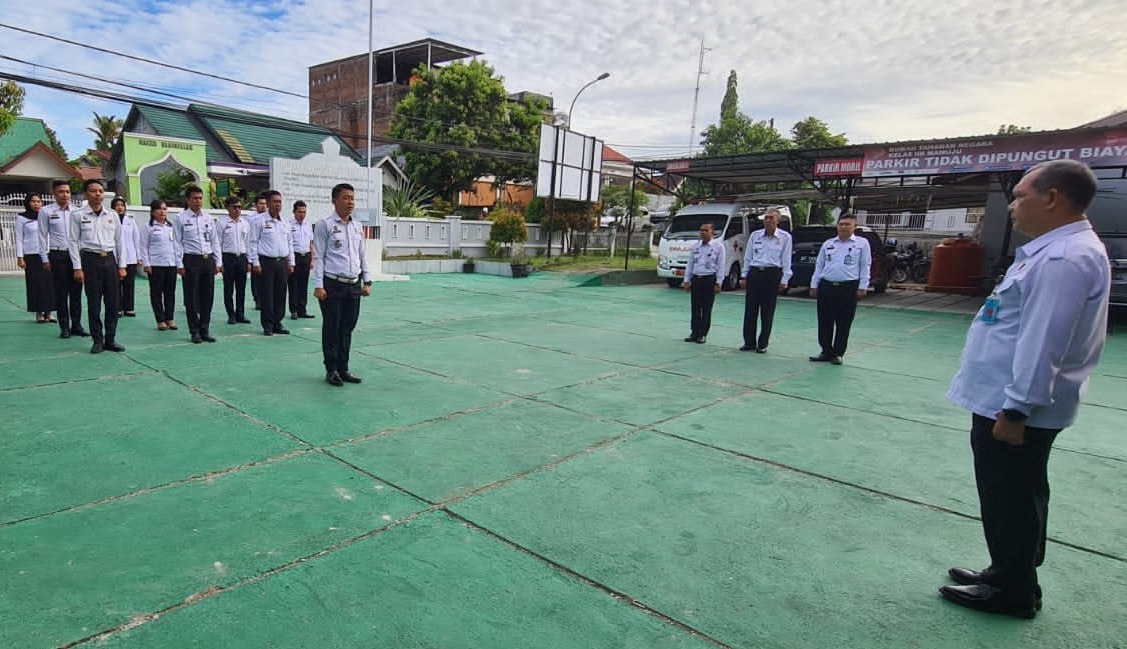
(696, 99)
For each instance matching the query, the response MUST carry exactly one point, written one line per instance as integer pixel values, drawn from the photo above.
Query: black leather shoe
(691, 339)
(836, 360)
(821, 358)
(241, 320)
(96, 348)
(348, 378)
(760, 350)
(113, 347)
(281, 330)
(293, 316)
(207, 338)
(231, 320)
(333, 378)
(196, 339)
(701, 340)
(80, 332)
(306, 315)
(130, 314)
(989, 599)
(64, 333)
(968, 577)
(747, 348)
(267, 332)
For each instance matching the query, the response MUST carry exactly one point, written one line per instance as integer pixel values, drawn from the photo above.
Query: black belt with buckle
(343, 279)
(845, 283)
(765, 268)
(276, 258)
(97, 253)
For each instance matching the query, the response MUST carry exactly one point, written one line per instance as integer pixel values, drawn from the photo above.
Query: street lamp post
(589, 84)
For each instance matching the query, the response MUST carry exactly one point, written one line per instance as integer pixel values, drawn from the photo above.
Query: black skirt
(40, 293)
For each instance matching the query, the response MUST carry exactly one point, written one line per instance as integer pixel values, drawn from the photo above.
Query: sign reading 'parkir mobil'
(1012, 153)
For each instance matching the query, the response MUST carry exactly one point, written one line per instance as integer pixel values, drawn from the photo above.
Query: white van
(731, 223)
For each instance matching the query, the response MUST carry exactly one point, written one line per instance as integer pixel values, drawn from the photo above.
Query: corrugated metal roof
(22, 136)
(254, 138)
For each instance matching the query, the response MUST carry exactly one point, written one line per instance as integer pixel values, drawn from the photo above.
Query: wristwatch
(1013, 415)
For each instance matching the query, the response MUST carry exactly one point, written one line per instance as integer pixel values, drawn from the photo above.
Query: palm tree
(106, 130)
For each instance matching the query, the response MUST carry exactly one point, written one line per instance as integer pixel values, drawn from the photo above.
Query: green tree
(464, 105)
(617, 197)
(171, 184)
(737, 133)
(11, 103)
(53, 139)
(106, 130)
(813, 133)
(1013, 129)
(406, 200)
(508, 227)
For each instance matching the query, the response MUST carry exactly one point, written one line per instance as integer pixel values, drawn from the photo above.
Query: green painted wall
(142, 151)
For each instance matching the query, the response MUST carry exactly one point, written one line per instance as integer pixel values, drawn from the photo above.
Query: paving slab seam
(168, 485)
(612, 592)
(214, 591)
(17, 388)
(418, 424)
(871, 490)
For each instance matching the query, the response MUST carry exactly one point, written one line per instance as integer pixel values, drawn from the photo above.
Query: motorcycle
(905, 263)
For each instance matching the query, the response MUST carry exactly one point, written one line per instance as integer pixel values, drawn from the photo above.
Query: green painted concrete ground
(528, 463)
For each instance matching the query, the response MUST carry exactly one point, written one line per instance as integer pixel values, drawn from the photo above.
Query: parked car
(809, 239)
(1116, 245)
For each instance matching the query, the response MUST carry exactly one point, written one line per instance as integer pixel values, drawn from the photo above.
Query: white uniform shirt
(234, 235)
(270, 237)
(301, 236)
(1048, 331)
(28, 241)
(196, 234)
(130, 240)
(338, 251)
(763, 250)
(54, 228)
(99, 232)
(706, 259)
(158, 245)
(843, 261)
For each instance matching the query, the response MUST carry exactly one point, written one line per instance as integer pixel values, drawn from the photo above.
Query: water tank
(956, 266)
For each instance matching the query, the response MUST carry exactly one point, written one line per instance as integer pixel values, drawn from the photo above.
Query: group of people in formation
(841, 277)
(67, 251)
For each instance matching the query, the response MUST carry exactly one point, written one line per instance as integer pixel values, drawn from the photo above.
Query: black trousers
(101, 283)
(299, 283)
(128, 285)
(1013, 494)
(68, 292)
(837, 305)
(760, 299)
(199, 292)
(37, 281)
(272, 292)
(255, 282)
(234, 284)
(701, 301)
(339, 313)
(162, 292)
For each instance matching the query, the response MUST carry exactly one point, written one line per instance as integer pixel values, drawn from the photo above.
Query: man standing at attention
(197, 242)
(1025, 367)
(234, 237)
(54, 228)
(766, 272)
(340, 278)
(271, 258)
(841, 277)
(703, 278)
(301, 236)
(97, 255)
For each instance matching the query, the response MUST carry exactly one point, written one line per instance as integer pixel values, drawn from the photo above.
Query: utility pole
(696, 99)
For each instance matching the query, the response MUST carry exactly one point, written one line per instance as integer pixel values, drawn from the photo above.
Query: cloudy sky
(877, 70)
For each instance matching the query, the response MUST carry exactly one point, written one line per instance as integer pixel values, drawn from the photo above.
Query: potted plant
(468, 265)
(519, 262)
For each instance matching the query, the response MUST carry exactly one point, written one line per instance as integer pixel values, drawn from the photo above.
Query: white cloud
(875, 69)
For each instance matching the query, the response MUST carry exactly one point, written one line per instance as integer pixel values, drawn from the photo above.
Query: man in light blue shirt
(766, 272)
(704, 276)
(841, 277)
(1025, 367)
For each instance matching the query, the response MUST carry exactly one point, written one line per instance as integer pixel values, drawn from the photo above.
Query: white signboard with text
(312, 178)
